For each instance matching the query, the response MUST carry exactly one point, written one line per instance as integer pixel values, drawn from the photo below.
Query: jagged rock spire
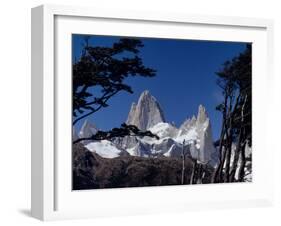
(88, 129)
(188, 123)
(146, 113)
(202, 114)
(207, 148)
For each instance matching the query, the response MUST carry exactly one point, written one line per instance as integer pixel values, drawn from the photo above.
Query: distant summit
(146, 113)
(87, 130)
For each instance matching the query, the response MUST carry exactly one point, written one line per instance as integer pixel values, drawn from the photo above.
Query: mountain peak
(146, 113)
(146, 96)
(188, 123)
(88, 129)
(145, 93)
(202, 114)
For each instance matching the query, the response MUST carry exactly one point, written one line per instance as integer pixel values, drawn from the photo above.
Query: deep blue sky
(185, 78)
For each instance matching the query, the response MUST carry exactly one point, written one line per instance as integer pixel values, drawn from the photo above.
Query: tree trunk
(227, 164)
(225, 156)
(199, 174)
(229, 133)
(236, 157)
(183, 163)
(241, 172)
(192, 177)
(215, 178)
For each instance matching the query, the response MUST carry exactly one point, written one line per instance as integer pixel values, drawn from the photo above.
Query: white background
(15, 112)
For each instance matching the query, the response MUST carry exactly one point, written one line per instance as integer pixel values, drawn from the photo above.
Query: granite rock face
(207, 149)
(146, 113)
(87, 130)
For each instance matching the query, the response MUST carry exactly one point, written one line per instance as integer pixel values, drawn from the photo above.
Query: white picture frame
(52, 197)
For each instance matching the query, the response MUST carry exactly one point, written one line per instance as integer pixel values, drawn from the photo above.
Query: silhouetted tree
(100, 74)
(124, 130)
(235, 80)
(183, 156)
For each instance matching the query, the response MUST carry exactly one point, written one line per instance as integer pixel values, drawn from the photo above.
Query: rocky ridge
(194, 136)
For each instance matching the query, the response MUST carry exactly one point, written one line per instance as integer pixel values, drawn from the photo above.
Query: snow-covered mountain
(194, 136)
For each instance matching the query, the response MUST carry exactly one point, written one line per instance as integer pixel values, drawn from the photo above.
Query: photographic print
(158, 112)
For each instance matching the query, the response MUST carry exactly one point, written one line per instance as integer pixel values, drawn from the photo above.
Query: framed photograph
(138, 112)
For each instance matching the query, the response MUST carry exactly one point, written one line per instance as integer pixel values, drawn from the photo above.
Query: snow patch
(104, 148)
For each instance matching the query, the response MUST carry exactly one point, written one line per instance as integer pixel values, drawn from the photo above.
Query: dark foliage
(235, 80)
(100, 74)
(124, 130)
